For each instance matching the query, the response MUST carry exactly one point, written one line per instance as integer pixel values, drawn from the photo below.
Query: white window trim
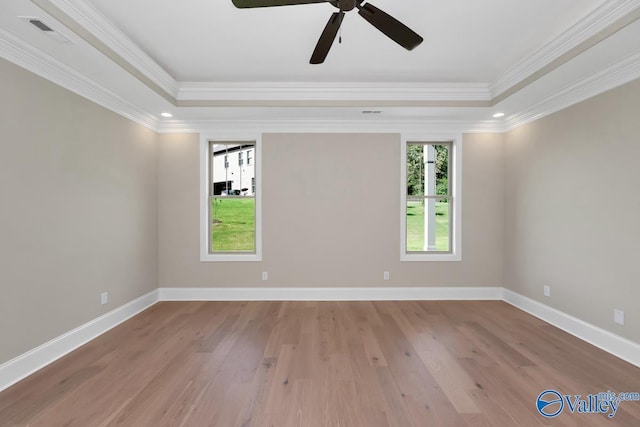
(205, 255)
(456, 193)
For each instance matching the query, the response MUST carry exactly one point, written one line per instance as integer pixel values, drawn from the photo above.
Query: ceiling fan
(391, 27)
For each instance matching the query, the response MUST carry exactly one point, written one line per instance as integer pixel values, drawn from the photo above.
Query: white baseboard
(331, 294)
(618, 346)
(26, 364)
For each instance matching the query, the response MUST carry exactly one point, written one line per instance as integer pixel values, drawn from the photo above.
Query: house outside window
(230, 218)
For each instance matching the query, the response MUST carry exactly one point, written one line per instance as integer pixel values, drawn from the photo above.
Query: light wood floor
(321, 364)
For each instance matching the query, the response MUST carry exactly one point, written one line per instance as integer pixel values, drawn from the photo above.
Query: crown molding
(88, 17)
(317, 91)
(331, 126)
(603, 21)
(23, 54)
(14, 49)
(605, 17)
(259, 94)
(597, 83)
(80, 16)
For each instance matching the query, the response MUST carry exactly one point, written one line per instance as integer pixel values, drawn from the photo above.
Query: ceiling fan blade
(390, 26)
(242, 4)
(326, 39)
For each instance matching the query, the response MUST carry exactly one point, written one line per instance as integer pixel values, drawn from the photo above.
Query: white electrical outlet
(104, 298)
(547, 291)
(265, 275)
(386, 275)
(618, 317)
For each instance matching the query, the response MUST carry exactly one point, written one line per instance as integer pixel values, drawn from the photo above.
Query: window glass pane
(232, 224)
(427, 169)
(428, 225)
(415, 225)
(232, 202)
(441, 166)
(415, 170)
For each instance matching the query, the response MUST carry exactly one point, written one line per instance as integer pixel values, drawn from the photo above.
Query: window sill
(230, 258)
(405, 257)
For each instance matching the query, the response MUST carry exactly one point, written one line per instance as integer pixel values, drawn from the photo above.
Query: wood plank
(369, 364)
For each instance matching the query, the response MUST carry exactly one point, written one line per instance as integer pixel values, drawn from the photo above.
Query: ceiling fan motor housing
(345, 5)
(387, 24)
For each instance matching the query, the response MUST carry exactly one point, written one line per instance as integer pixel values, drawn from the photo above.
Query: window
(249, 158)
(430, 219)
(230, 219)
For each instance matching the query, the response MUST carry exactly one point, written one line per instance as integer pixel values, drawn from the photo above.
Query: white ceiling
(465, 40)
(252, 65)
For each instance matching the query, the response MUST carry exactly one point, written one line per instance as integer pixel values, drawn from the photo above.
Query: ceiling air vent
(40, 25)
(46, 29)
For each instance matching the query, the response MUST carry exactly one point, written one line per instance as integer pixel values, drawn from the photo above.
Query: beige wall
(79, 210)
(573, 209)
(330, 215)
(92, 202)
